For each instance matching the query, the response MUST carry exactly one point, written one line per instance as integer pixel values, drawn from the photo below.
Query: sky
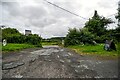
(47, 20)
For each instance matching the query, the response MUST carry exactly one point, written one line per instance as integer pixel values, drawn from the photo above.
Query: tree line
(12, 35)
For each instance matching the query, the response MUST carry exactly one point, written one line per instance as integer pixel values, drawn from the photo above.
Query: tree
(72, 37)
(118, 14)
(76, 37)
(97, 24)
(86, 36)
(118, 17)
(8, 32)
(117, 35)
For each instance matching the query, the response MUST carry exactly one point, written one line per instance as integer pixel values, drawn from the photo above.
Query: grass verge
(93, 50)
(16, 47)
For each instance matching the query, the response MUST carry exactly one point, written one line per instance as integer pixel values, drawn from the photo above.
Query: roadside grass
(16, 47)
(93, 49)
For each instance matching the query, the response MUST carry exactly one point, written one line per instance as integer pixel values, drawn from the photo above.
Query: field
(91, 50)
(49, 43)
(15, 47)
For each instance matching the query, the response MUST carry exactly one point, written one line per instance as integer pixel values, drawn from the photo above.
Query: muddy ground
(56, 62)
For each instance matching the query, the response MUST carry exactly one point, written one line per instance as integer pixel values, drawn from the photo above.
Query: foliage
(86, 36)
(118, 44)
(57, 38)
(7, 32)
(53, 41)
(33, 39)
(75, 37)
(117, 35)
(118, 14)
(0, 35)
(97, 24)
(14, 36)
(49, 43)
(72, 37)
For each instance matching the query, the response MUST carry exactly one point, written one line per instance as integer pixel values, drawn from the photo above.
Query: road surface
(56, 62)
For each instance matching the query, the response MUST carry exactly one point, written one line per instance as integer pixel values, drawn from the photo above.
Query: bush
(13, 36)
(33, 39)
(75, 37)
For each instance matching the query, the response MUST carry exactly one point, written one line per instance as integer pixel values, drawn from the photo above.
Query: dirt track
(56, 62)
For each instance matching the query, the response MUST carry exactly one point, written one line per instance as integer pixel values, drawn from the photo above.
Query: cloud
(13, 8)
(47, 20)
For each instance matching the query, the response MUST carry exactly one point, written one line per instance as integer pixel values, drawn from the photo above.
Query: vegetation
(93, 50)
(53, 41)
(117, 35)
(15, 47)
(97, 24)
(82, 36)
(14, 36)
(49, 43)
(93, 31)
(118, 15)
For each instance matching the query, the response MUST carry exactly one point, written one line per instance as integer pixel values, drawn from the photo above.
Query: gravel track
(56, 62)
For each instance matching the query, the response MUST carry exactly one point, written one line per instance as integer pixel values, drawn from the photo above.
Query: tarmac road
(56, 62)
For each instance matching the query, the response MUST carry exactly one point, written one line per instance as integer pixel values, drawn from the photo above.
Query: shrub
(75, 37)
(13, 36)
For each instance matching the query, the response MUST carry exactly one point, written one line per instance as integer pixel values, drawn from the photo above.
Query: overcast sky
(49, 21)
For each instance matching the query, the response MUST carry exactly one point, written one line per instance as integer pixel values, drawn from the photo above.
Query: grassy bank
(15, 47)
(91, 49)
